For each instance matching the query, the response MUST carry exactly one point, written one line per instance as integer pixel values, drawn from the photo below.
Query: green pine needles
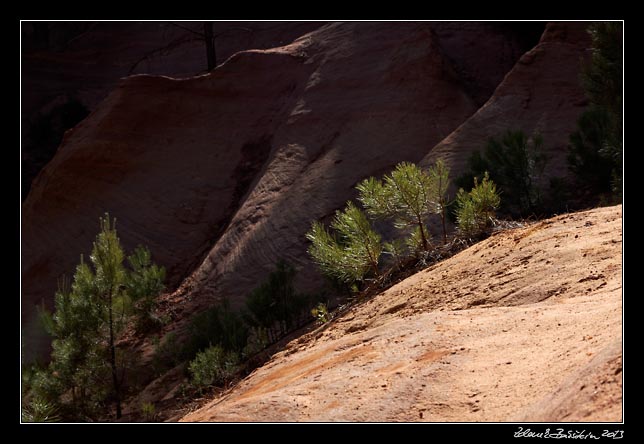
(439, 178)
(352, 252)
(517, 163)
(222, 339)
(40, 411)
(596, 148)
(274, 308)
(144, 283)
(87, 368)
(475, 210)
(213, 366)
(408, 196)
(403, 195)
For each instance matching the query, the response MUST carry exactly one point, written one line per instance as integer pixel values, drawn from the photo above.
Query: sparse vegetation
(321, 313)
(112, 299)
(586, 156)
(149, 412)
(219, 339)
(213, 366)
(219, 325)
(475, 209)
(596, 148)
(356, 251)
(397, 249)
(414, 241)
(143, 284)
(39, 410)
(87, 368)
(274, 308)
(409, 195)
(516, 163)
(439, 177)
(404, 195)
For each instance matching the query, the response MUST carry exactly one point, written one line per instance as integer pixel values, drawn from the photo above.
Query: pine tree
(275, 301)
(87, 320)
(407, 194)
(40, 411)
(516, 163)
(77, 366)
(143, 283)
(439, 177)
(602, 76)
(354, 253)
(397, 248)
(362, 245)
(586, 156)
(107, 257)
(475, 210)
(596, 149)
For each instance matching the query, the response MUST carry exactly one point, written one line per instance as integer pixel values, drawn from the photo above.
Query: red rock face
(482, 53)
(223, 173)
(540, 94)
(82, 62)
(170, 159)
(396, 97)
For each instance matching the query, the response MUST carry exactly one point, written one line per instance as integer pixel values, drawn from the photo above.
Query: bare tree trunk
(211, 55)
(443, 221)
(422, 234)
(374, 266)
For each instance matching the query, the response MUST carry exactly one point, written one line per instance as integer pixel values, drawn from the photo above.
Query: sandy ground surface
(524, 326)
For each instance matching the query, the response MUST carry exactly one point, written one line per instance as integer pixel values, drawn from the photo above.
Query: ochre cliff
(221, 174)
